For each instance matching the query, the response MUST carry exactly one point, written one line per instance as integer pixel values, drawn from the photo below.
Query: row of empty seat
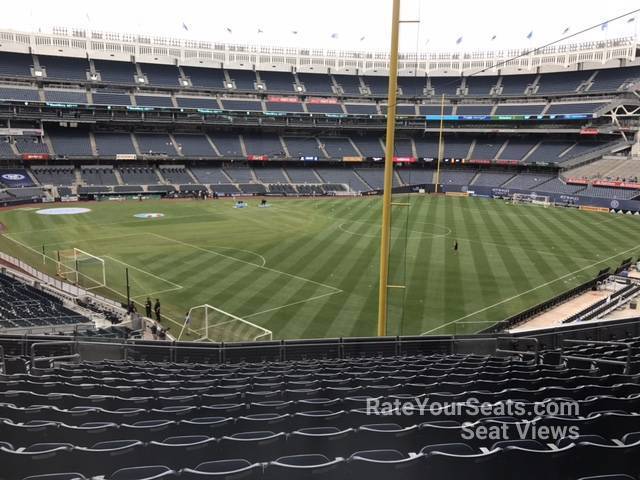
(76, 70)
(314, 419)
(78, 97)
(78, 143)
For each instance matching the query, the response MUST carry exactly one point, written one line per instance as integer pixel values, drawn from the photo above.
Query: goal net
(82, 268)
(530, 199)
(208, 323)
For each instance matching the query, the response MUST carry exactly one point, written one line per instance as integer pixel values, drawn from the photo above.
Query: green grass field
(309, 268)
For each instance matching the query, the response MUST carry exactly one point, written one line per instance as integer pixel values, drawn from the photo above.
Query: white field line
(89, 239)
(292, 304)
(529, 291)
(269, 269)
(174, 285)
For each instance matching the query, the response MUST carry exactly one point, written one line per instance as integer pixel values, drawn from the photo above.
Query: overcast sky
(340, 24)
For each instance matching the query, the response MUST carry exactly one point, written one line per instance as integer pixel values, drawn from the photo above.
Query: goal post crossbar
(70, 264)
(227, 318)
(530, 199)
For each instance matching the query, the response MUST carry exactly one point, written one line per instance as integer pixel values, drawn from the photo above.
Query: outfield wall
(626, 205)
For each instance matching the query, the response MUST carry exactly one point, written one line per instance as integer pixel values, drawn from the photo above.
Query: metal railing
(626, 363)
(52, 358)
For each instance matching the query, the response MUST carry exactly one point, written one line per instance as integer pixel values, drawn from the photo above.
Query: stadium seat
(179, 452)
(36, 459)
(460, 461)
(259, 446)
(310, 466)
(109, 456)
(224, 470)
(143, 473)
(56, 476)
(384, 464)
(329, 441)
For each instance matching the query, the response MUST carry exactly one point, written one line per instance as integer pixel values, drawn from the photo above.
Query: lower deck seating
(22, 305)
(317, 419)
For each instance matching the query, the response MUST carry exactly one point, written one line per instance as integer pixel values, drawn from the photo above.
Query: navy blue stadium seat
(178, 452)
(384, 464)
(224, 470)
(143, 473)
(310, 466)
(259, 446)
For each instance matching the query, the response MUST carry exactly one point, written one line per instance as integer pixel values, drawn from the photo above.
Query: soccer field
(309, 268)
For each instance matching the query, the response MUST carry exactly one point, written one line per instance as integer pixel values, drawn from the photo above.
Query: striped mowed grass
(308, 268)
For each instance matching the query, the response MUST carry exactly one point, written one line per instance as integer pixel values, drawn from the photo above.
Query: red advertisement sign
(35, 156)
(404, 159)
(604, 183)
(322, 100)
(507, 162)
(257, 157)
(280, 99)
(589, 131)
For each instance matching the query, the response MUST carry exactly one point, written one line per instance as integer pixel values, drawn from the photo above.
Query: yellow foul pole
(388, 171)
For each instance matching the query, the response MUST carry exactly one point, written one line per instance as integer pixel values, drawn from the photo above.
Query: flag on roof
(604, 26)
(184, 26)
(493, 38)
(295, 32)
(530, 35)
(260, 30)
(334, 35)
(228, 30)
(459, 41)
(362, 38)
(632, 19)
(566, 30)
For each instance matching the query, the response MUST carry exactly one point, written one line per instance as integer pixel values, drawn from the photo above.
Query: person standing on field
(156, 309)
(147, 307)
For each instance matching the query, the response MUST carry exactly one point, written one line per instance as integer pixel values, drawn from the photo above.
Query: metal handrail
(3, 367)
(35, 359)
(626, 363)
(535, 341)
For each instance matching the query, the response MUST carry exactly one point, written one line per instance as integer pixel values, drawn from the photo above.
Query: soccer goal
(82, 268)
(209, 323)
(530, 199)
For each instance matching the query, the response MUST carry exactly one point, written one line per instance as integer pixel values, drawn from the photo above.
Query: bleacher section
(15, 64)
(155, 144)
(343, 176)
(58, 175)
(161, 75)
(65, 68)
(115, 72)
(98, 175)
(112, 144)
(70, 143)
(211, 175)
(138, 175)
(194, 145)
(23, 306)
(176, 174)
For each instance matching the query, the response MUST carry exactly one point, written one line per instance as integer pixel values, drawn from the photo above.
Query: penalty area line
(262, 267)
(292, 304)
(174, 285)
